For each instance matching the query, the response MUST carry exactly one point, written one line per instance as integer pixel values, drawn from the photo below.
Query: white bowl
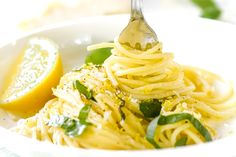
(199, 42)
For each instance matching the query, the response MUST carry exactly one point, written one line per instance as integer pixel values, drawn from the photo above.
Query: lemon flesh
(38, 71)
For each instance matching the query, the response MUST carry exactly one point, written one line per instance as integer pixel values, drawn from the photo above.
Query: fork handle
(136, 9)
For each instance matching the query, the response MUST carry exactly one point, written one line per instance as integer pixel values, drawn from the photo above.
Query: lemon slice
(38, 70)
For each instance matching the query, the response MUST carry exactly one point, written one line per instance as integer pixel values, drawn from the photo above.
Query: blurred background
(20, 16)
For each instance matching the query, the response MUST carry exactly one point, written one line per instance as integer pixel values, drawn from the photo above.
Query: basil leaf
(173, 118)
(72, 127)
(83, 89)
(211, 12)
(69, 124)
(150, 108)
(151, 129)
(209, 8)
(98, 56)
(181, 142)
(75, 129)
(83, 115)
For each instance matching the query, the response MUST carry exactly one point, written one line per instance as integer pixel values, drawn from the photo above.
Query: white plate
(198, 42)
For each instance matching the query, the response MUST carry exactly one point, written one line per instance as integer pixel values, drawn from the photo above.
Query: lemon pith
(39, 70)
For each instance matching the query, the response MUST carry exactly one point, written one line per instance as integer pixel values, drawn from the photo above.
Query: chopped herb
(151, 129)
(98, 56)
(211, 12)
(150, 108)
(209, 8)
(181, 142)
(173, 118)
(72, 127)
(83, 115)
(98, 66)
(83, 89)
(120, 109)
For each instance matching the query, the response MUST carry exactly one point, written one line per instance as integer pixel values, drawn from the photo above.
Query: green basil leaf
(76, 129)
(69, 124)
(204, 3)
(83, 115)
(151, 129)
(173, 118)
(211, 12)
(83, 89)
(150, 108)
(98, 56)
(209, 8)
(72, 127)
(181, 142)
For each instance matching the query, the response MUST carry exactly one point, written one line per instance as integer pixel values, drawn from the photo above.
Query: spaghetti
(182, 103)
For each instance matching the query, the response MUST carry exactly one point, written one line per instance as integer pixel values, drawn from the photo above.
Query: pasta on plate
(134, 100)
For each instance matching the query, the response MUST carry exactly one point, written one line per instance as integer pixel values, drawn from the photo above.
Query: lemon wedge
(38, 70)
